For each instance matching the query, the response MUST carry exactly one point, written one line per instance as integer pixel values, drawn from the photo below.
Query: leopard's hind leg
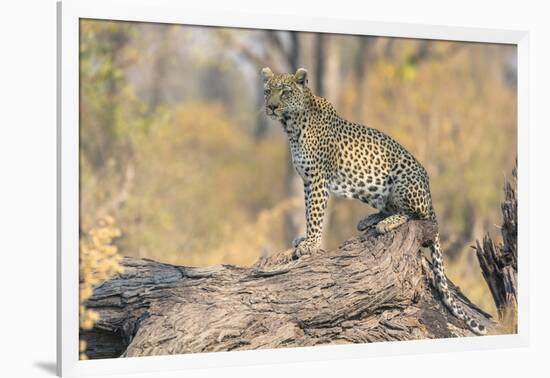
(371, 220)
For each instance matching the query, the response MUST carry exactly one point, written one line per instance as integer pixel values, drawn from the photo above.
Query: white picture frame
(165, 11)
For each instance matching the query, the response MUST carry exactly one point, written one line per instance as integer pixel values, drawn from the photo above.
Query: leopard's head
(285, 94)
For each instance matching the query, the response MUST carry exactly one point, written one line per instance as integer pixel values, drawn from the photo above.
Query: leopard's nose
(272, 107)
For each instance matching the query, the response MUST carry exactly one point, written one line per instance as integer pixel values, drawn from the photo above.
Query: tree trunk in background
(360, 73)
(373, 288)
(294, 52)
(294, 218)
(389, 49)
(158, 74)
(332, 82)
(319, 55)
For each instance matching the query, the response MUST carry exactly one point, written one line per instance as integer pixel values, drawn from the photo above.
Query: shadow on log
(372, 288)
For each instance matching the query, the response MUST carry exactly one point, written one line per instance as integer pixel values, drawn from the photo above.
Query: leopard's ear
(301, 76)
(267, 73)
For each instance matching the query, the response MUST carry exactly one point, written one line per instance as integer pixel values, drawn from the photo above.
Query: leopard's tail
(443, 288)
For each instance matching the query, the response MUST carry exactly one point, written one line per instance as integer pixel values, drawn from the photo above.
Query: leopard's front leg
(316, 198)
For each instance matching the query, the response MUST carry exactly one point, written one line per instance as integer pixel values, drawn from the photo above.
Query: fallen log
(372, 288)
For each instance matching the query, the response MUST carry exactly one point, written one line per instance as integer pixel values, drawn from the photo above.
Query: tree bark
(372, 288)
(499, 262)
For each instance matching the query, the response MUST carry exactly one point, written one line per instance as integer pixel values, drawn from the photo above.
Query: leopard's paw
(391, 223)
(296, 242)
(304, 246)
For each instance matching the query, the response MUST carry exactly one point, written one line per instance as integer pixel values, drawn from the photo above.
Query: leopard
(335, 156)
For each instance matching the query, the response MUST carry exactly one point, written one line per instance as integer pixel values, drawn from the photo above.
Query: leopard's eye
(285, 92)
(267, 91)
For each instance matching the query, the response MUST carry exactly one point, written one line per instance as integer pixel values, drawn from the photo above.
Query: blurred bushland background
(175, 144)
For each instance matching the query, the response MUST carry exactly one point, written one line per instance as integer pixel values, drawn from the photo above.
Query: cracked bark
(499, 261)
(372, 288)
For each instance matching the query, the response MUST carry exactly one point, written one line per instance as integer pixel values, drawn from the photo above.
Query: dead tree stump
(372, 288)
(499, 261)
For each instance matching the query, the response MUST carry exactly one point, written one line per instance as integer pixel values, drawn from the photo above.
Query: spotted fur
(333, 155)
